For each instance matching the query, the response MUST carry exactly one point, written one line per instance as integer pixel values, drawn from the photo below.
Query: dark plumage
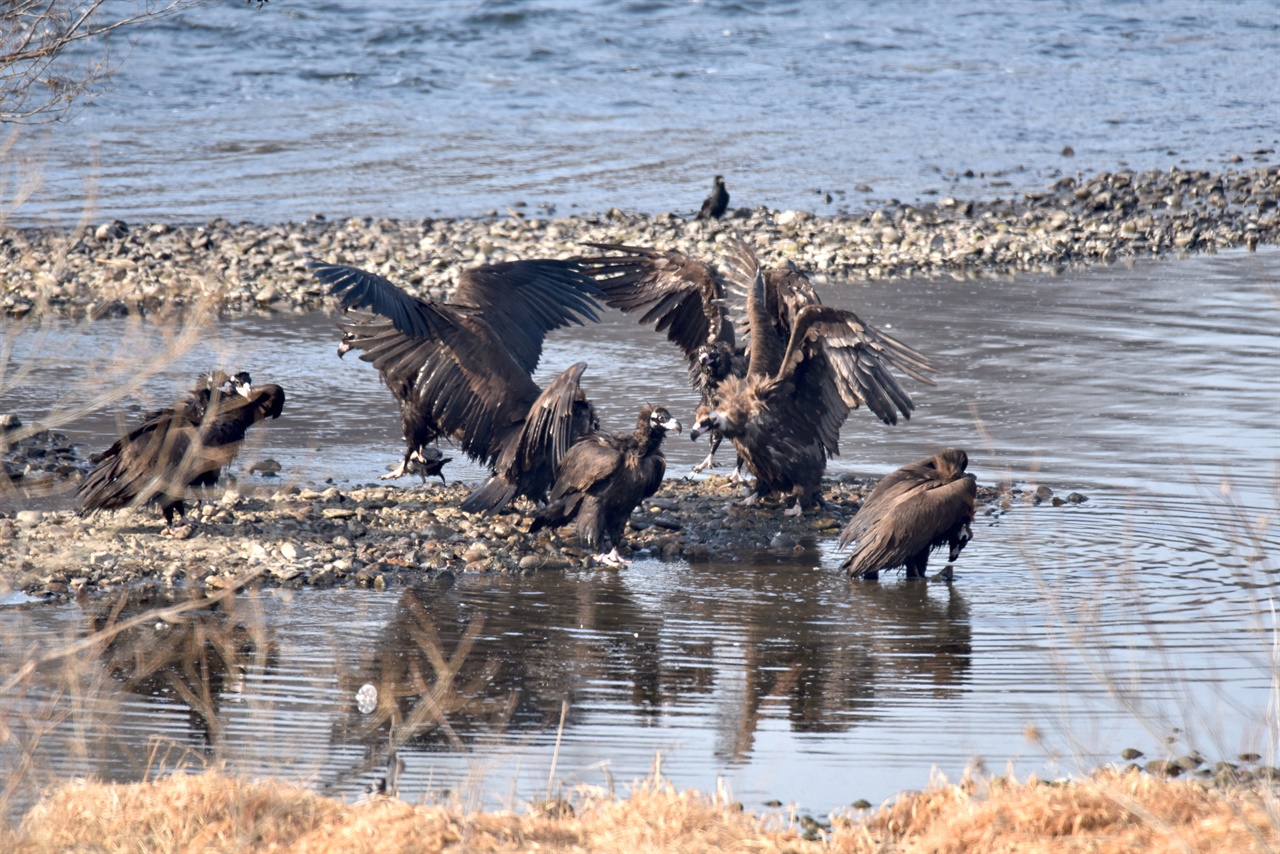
(716, 202)
(427, 462)
(683, 297)
(914, 510)
(176, 448)
(604, 477)
(462, 370)
(809, 364)
(530, 458)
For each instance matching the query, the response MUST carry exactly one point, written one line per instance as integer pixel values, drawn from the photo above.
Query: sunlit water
(454, 107)
(1140, 615)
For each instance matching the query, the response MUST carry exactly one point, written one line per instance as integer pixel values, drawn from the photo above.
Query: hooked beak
(672, 424)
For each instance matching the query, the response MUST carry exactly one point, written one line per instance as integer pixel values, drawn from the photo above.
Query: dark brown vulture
(716, 202)
(682, 297)
(177, 448)
(916, 509)
(603, 478)
(462, 370)
(809, 364)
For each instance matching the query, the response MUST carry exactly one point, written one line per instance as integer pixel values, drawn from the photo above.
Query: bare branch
(55, 52)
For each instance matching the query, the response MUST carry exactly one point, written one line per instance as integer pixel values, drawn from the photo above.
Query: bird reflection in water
(185, 649)
(448, 679)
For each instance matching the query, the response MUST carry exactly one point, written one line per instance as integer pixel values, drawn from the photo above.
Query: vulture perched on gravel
(603, 478)
(462, 370)
(177, 448)
(916, 509)
(808, 365)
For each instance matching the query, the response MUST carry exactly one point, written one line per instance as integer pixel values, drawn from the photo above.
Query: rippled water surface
(1142, 614)
(403, 108)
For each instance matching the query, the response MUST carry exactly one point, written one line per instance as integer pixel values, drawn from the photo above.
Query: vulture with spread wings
(179, 447)
(603, 478)
(462, 370)
(916, 509)
(809, 364)
(683, 297)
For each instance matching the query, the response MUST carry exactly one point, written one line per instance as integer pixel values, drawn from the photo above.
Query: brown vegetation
(1111, 811)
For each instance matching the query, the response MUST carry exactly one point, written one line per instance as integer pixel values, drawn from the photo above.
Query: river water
(1143, 617)
(402, 108)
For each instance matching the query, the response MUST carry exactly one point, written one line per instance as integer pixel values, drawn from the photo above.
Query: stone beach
(382, 536)
(120, 268)
(254, 533)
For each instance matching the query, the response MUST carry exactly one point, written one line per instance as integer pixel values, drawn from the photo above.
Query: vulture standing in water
(462, 370)
(916, 509)
(716, 202)
(603, 478)
(177, 448)
(809, 364)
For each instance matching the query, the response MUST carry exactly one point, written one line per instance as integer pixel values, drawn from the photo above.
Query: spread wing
(767, 341)
(357, 288)
(548, 430)
(858, 357)
(530, 458)
(398, 358)
(464, 368)
(524, 300)
(679, 295)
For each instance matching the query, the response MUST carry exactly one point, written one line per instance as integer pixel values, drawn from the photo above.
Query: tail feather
(494, 496)
(557, 513)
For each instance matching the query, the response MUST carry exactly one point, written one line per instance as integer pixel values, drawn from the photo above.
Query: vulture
(914, 510)
(462, 370)
(683, 297)
(808, 365)
(180, 447)
(603, 477)
(716, 202)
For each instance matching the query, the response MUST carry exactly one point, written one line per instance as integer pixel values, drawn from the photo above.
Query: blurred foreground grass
(1109, 811)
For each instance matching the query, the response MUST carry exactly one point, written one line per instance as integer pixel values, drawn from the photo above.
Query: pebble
(119, 269)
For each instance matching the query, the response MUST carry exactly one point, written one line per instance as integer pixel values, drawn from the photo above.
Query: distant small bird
(717, 202)
(913, 511)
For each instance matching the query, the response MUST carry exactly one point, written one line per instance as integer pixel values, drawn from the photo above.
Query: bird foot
(399, 471)
(184, 531)
(612, 559)
(796, 510)
(751, 500)
(708, 463)
(737, 476)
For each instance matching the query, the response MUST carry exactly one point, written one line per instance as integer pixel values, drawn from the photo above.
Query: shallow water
(1140, 615)
(401, 108)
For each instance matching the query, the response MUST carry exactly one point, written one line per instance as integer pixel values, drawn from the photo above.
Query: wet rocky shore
(251, 535)
(120, 268)
(259, 533)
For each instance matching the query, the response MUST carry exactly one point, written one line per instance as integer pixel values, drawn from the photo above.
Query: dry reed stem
(1112, 811)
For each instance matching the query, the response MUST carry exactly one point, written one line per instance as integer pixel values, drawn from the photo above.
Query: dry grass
(1111, 811)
